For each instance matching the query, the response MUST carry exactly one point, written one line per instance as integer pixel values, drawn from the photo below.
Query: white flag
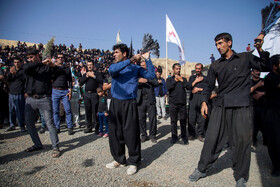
(271, 41)
(118, 39)
(172, 36)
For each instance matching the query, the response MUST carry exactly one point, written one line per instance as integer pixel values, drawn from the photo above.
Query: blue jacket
(125, 78)
(164, 89)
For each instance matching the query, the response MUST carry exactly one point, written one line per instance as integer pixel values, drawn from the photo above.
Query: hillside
(185, 70)
(4, 42)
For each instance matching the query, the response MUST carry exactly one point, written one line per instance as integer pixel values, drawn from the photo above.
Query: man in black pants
(258, 104)
(123, 115)
(197, 83)
(272, 127)
(176, 85)
(92, 80)
(230, 120)
(146, 101)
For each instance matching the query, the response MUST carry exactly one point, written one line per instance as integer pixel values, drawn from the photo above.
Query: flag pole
(184, 63)
(166, 62)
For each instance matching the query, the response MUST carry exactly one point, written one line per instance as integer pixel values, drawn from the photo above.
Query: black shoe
(226, 146)
(143, 139)
(70, 131)
(42, 130)
(153, 140)
(173, 140)
(81, 126)
(241, 183)
(165, 117)
(87, 130)
(275, 173)
(200, 138)
(185, 140)
(10, 129)
(33, 148)
(57, 131)
(22, 129)
(190, 138)
(159, 117)
(196, 175)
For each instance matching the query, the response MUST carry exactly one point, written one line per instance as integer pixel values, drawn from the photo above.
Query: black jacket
(17, 82)
(234, 78)
(91, 83)
(38, 79)
(177, 90)
(149, 89)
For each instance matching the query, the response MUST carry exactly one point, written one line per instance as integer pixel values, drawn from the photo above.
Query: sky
(95, 23)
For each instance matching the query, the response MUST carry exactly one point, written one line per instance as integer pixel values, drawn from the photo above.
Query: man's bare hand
(178, 78)
(199, 79)
(69, 95)
(48, 62)
(106, 86)
(258, 95)
(146, 55)
(213, 95)
(90, 74)
(135, 58)
(204, 110)
(260, 83)
(142, 80)
(196, 89)
(13, 70)
(259, 42)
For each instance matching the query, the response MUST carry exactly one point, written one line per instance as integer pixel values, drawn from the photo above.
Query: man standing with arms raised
(39, 90)
(230, 120)
(123, 114)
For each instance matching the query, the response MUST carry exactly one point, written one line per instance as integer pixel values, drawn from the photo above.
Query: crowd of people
(118, 96)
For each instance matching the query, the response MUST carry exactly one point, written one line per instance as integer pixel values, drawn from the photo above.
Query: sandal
(33, 148)
(56, 153)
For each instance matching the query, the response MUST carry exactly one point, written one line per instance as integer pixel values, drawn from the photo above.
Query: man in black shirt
(39, 90)
(3, 98)
(230, 120)
(146, 101)
(62, 91)
(258, 104)
(272, 118)
(92, 79)
(176, 85)
(161, 94)
(16, 78)
(197, 84)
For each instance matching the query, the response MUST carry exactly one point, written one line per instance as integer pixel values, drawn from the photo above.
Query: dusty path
(84, 157)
